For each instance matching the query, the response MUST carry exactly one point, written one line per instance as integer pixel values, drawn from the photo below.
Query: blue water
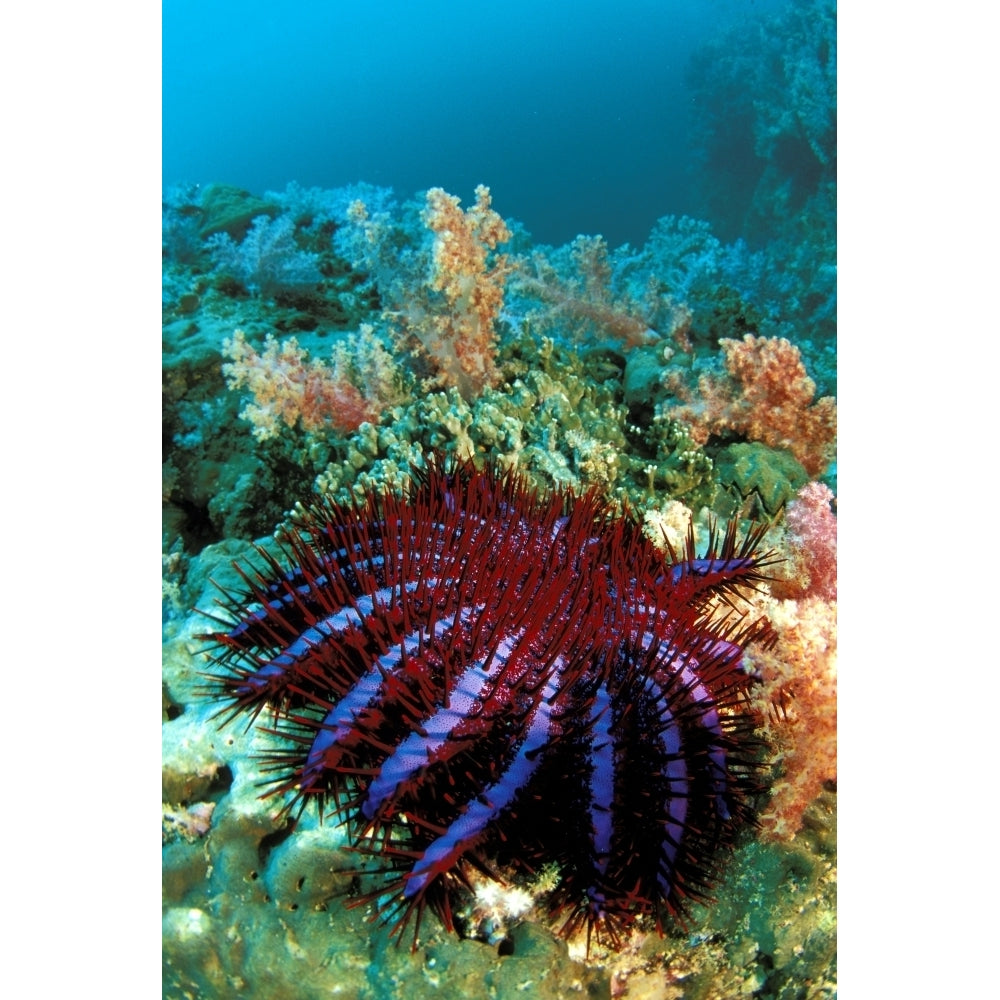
(578, 114)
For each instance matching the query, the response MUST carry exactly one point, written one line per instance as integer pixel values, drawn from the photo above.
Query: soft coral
(766, 396)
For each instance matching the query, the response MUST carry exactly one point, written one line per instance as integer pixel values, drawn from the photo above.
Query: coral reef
(461, 339)
(766, 118)
(765, 135)
(800, 679)
(758, 480)
(393, 284)
(582, 351)
(811, 529)
(225, 208)
(584, 300)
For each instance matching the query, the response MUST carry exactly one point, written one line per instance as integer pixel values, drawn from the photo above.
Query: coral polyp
(477, 677)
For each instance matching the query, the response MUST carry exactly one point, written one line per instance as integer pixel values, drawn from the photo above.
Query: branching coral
(289, 387)
(765, 396)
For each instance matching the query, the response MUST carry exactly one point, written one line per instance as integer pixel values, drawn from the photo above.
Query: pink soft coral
(811, 528)
(766, 396)
(443, 302)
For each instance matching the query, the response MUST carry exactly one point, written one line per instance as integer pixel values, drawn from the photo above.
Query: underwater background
(586, 116)
(596, 246)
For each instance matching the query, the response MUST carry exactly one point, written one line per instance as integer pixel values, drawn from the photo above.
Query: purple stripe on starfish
(601, 783)
(686, 670)
(337, 562)
(335, 624)
(481, 811)
(262, 613)
(676, 773)
(417, 749)
(706, 567)
(341, 720)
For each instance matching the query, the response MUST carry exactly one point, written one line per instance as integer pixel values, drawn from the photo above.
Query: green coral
(547, 418)
(772, 924)
(757, 480)
(551, 418)
(643, 381)
(669, 462)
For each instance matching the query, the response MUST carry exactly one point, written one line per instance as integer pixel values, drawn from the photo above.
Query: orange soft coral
(766, 396)
(800, 671)
(461, 339)
(800, 676)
